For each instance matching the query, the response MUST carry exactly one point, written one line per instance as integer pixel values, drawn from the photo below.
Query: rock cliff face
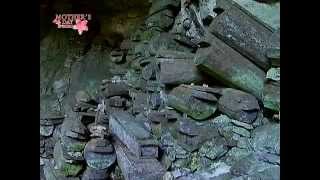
(161, 89)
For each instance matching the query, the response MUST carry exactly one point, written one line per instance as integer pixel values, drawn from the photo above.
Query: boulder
(239, 105)
(266, 138)
(251, 165)
(273, 74)
(191, 135)
(271, 96)
(73, 128)
(110, 89)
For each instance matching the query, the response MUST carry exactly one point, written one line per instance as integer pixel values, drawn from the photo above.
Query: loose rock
(239, 105)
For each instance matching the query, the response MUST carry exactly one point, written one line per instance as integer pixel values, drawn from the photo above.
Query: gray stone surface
(188, 127)
(46, 130)
(95, 174)
(273, 74)
(267, 138)
(219, 171)
(235, 154)
(241, 124)
(206, 10)
(204, 96)
(73, 128)
(46, 147)
(271, 96)
(157, 117)
(214, 149)
(251, 165)
(171, 148)
(188, 133)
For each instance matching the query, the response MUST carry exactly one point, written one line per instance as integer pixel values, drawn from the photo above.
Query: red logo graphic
(81, 25)
(73, 21)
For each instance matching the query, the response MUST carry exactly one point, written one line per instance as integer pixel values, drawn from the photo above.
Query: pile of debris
(201, 100)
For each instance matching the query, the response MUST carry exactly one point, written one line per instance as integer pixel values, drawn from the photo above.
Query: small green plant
(195, 162)
(146, 35)
(78, 147)
(71, 169)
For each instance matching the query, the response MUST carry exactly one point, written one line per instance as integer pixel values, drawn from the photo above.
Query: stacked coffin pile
(208, 89)
(201, 99)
